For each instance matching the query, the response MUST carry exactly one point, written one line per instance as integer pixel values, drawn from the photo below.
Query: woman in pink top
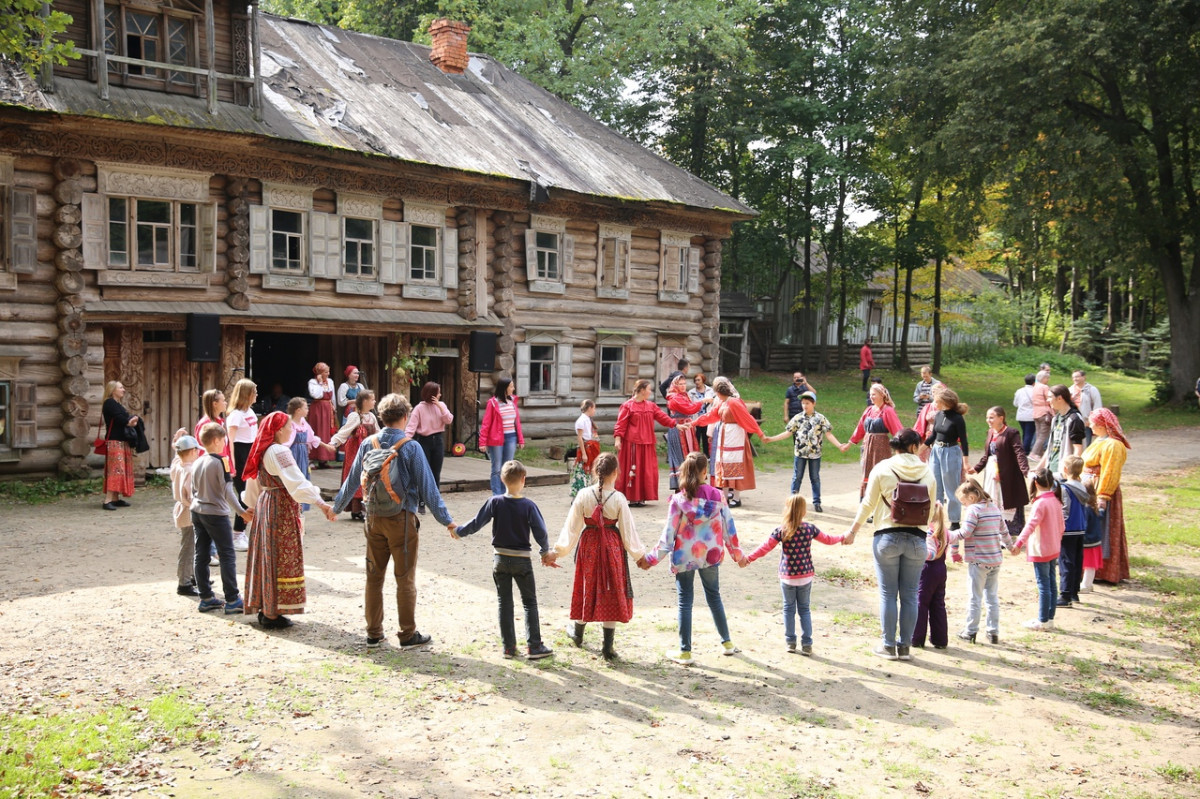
(877, 425)
(500, 432)
(1043, 535)
(1043, 414)
(427, 424)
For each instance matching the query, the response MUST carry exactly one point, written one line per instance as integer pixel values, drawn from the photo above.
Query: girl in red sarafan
(637, 450)
(602, 525)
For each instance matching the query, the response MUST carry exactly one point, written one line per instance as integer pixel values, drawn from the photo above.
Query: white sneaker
(1048, 626)
(214, 561)
(1044, 626)
(728, 648)
(241, 542)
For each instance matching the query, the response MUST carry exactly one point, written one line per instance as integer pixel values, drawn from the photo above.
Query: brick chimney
(449, 52)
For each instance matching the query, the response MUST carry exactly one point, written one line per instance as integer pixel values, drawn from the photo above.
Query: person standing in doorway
(427, 425)
(348, 391)
(866, 362)
(320, 408)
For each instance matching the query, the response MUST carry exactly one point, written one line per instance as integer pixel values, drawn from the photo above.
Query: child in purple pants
(931, 599)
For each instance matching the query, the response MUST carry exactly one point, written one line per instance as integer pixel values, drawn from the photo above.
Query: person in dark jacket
(121, 431)
(1004, 467)
(948, 438)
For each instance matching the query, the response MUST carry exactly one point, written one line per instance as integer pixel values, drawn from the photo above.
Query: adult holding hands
(877, 423)
(636, 448)
(733, 459)
(899, 538)
(1103, 462)
(1004, 467)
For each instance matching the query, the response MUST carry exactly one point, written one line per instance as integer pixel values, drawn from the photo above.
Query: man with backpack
(395, 477)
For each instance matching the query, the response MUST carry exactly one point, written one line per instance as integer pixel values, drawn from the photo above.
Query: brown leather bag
(910, 503)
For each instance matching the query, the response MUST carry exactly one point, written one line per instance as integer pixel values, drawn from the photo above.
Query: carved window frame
(564, 252)
(622, 341)
(678, 267)
(163, 80)
(560, 363)
(18, 407)
(444, 250)
(617, 241)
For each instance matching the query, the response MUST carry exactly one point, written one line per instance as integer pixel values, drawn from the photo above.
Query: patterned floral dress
(275, 560)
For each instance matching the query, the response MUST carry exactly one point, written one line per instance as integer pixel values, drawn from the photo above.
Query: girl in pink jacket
(1043, 535)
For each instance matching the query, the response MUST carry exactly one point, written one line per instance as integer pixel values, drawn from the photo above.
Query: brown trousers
(392, 538)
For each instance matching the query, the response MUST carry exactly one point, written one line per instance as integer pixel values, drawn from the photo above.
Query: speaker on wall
(482, 357)
(203, 337)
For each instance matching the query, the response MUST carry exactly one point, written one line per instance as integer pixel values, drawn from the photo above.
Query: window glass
(423, 255)
(118, 232)
(187, 235)
(541, 367)
(547, 256)
(287, 231)
(141, 41)
(153, 226)
(612, 368)
(360, 247)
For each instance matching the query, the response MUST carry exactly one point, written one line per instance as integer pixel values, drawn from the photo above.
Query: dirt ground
(88, 617)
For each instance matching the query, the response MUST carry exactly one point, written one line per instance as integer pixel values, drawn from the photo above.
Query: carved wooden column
(233, 356)
(710, 322)
(503, 264)
(72, 342)
(237, 252)
(467, 285)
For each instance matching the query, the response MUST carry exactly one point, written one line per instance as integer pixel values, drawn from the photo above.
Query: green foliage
(401, 21)
(29, 35)
(50, 489)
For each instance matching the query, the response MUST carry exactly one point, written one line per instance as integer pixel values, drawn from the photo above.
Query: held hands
(247, 515)
(643, 564)
(452, 527)
(846, 446)
(849, 538)
(550, 560)
(329, 514)
(743, 561)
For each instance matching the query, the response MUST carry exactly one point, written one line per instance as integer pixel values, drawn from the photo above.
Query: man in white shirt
(1087, 399)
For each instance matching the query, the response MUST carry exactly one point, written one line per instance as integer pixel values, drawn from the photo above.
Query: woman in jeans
(427, 425)
(500, 433)
(899, 549)
(947, 437)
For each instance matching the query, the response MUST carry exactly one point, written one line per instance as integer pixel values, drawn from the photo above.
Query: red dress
(275, 560)
(602, 590)
(637, 478)
(320, 414)
(366, 428)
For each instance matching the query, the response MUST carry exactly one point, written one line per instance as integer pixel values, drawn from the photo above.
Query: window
(679, 268)
(152, 234)
(541, 368)
(612, 369)
(167, 37)
(359, 239)
(612, 279)
(287, 240)
(423, 253)
(547, 256)
(18, 409)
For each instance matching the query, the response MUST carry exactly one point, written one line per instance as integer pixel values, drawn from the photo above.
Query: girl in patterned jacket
(795, 568)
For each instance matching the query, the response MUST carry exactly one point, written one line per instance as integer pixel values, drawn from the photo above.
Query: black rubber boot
(607, 651)
(576, 636)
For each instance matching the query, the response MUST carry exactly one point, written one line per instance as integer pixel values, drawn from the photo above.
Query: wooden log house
(306, 193)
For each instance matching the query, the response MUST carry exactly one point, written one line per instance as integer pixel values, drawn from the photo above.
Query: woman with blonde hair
(120, 429)
(948, 438)
(242, 424)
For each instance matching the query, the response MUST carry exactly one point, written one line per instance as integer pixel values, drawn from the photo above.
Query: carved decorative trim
(292, 198)
(289, 283)
(360, 287)
(547, 287)
(160, 183)
(432, 215)
(680, 297)
(108, 277)
(619, 232)
(548, 224)
(673, 238)
(416, 291)
(609, 293)
(6, 169)
(360, 205)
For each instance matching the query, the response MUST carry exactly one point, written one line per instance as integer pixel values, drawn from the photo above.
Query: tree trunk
(937, 311)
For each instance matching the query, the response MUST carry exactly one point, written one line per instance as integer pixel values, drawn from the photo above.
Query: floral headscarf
(1108, 420)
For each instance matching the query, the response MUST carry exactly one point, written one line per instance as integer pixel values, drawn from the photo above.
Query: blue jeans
(213, 530)
(796, 599)
(985, 587)
(684, 584)
(1047, 588)
(1028, 434)
(947, 463)
(814, 476)
(899, 559)
(500, 455)
(507, 570)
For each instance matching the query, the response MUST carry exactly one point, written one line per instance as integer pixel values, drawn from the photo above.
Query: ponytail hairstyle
(1064, 394)
(971, 493)
(949, 397)
(209, 401)
(794, 509)
(361, 399)
(1044, 480)
(939, 522)
(606, 466)
(692, 474)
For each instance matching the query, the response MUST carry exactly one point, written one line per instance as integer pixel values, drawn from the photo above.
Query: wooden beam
(101, 55)
(210, 37)
(257, 56)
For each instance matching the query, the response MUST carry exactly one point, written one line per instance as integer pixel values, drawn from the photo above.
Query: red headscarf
(271, 424)
(350, 369)
(1108, 420)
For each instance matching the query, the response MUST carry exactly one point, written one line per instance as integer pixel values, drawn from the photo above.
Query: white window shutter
(393, 252)
(23, 234)
(450, 257)
(531, 254)
(260, 239)
(24, 415)
(522, 370)
(95, 228)
(562, 371)
(207, 250)
(694, 256)
(568, 256)
(325, 245)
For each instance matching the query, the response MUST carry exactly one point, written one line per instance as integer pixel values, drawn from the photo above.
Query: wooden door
(170, 397)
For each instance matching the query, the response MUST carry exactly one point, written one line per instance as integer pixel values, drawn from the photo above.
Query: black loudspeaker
(482, 355)
(203, 337)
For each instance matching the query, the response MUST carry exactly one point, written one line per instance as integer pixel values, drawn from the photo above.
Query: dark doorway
(288, 359)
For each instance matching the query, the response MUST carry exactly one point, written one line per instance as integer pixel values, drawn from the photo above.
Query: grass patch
(1164, 511)
(1173, 772)
(51, 489)
(845, 577)
(847, 618)
(1110, 698)
(65, 754)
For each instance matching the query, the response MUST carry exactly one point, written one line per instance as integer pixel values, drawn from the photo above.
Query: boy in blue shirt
(514, 518)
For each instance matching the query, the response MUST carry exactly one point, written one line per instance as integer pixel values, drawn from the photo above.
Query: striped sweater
(984, 534)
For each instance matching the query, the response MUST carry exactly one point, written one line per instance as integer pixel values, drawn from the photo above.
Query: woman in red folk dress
(360, 425)
(320, 410)
(275, 559)
(636, 448)
(682, 440)
(733, 461)
(601, 523)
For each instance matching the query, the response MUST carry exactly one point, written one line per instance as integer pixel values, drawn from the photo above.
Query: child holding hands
(931, 591)
(1043, 534)
(514, 518)
(601, 523)
(187, 450)
(983, 532)
(795, 568)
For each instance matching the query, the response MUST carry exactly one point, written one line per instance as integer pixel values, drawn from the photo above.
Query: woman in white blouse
(360, 424)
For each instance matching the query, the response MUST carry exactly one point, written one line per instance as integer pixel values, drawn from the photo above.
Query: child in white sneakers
(795, 568)
(187, 449)
(1043, 534)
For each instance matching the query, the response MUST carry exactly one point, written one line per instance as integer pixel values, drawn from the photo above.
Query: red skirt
(118, 468)
(637, 477)
(1116, 565)
(602, 590)
(353, 444)
(320, 418)
(275, 560)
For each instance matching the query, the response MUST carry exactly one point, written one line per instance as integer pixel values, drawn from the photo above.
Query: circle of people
(918, 496)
